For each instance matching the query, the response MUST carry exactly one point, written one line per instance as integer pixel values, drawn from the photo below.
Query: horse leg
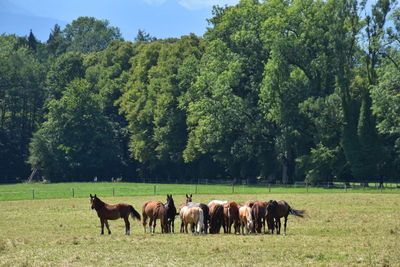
(278, 222)
(127, 226)
(102, 226)
(144, 221)
(152, 224)
(173, 226)
(284, 226)
(108, 227)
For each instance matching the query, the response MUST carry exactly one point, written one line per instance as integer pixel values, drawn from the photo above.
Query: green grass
(78, 190)
(352, 229)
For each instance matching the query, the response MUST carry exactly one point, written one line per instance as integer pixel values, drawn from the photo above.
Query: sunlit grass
(340, 229)
(79, 190)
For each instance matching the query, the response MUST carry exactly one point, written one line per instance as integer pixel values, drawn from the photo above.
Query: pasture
(340, 229)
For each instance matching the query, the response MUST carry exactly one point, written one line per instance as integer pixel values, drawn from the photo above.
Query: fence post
(154, 189)
(195, 191)
(233, 187)
(345, 187)
(73, 193)
(113, 191)
(307, 186)
(33, 193)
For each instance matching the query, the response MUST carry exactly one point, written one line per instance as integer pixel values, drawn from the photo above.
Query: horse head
(188, 198)
(93, 200)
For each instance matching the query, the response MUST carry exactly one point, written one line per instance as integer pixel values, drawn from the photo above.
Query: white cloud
(155, 2)
(199, 4)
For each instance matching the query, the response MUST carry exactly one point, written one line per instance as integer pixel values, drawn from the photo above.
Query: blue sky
(160, 18)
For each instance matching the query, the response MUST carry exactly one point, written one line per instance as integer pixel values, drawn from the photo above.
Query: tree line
(281, 91)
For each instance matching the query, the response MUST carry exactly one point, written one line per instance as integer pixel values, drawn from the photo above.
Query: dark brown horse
(112, 212)
(231, 216)
(258, 210)
(278, 209)
(154, 210)
(171, 213)
(216, 218)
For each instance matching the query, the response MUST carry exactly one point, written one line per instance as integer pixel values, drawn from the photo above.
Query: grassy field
(340, 229)
(78, 190)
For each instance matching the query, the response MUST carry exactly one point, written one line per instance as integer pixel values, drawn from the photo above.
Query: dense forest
(277, 91)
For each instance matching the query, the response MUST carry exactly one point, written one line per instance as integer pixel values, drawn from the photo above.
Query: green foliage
(281, 91)
(76, 141)
(87, 35)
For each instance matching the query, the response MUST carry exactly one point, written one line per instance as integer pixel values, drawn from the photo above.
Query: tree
(87, 35)
(143, 36)
(56, 43)
(65, 68)
(32, 42)
(21, 104)
(224, 118)
(76, 142)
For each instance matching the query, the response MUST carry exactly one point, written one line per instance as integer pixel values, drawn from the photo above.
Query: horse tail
(299, 213)
(200, 222)
(134, 213)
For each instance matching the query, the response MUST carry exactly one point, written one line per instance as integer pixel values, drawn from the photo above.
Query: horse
(216, 218)
(220, 202)
(113, 212)
(258, 212)
(154, 210)
(194, 216)
(171, 213)
(231, 216)
(250, 203)
(278, 209)
(204, 207)
(246, 219)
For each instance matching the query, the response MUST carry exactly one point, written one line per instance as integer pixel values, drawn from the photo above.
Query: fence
(79, 190)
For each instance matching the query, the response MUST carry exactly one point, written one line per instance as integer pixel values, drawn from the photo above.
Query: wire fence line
(142, 189)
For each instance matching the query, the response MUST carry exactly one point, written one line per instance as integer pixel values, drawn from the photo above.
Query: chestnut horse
(154, 210)
(112, 212)
(193, 216)
(216, 218)
(259, 212)
(171, 213)
(231, 216)
(278, 209)
(246, 219)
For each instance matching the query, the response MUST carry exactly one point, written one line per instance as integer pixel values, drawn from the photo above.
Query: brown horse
(259, 211)
(216, 218)
(154, 210)
(231, 216)
(278, 209)
(193, 216)
(112, 212)
(250, 203)
(246, 219)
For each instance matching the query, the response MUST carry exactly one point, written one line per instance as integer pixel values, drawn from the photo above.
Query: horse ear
(187, 196)
(95, 195)
(91, 196)
(190, 195)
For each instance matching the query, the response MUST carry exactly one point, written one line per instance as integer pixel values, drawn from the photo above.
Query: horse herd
(251, 217)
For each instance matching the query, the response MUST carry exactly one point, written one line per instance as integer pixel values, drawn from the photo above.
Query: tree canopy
(275, 91)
